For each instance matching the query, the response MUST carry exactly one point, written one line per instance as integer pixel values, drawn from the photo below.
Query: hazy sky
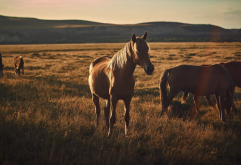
(224, 13)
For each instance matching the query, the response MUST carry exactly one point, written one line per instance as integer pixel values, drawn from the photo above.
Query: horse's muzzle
(149, 69)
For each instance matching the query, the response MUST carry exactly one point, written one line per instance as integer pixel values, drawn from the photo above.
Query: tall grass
(47, 115)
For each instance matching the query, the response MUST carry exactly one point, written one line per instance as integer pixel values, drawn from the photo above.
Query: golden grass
(47, 115)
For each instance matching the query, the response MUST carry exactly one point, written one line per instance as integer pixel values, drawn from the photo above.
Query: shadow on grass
(21, 92)
(37, 67)
(35, 89)
(146, 92)
(8, 68)
(26, 142)
(179, 110)
(64, 87)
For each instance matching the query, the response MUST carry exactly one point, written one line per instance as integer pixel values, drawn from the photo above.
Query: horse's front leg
(127, 114)
(95, 99)
(168, 101)
(23, 70)
(113, 102)
(221, 106)
(107, 113)
(222, 101)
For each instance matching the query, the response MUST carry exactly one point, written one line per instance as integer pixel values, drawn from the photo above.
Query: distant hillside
(16, 30)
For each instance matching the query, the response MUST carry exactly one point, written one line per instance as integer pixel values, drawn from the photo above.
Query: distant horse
(112, 78)
(1, 66)
(18, 64)
(201, 81)
(233, 69)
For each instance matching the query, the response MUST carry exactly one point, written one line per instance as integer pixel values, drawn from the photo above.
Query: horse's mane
(121, 57)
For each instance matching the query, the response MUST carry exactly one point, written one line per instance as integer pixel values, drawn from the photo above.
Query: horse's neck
(122, 63)
(128, 68)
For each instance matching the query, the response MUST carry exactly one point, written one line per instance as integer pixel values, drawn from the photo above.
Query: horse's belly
(204, 89)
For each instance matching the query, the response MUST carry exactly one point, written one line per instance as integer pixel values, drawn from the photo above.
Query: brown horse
(112, 78)
(233, 69)
(199, 80)
(18, 64)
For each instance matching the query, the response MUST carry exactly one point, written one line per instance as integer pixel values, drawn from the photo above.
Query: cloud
(232, 12)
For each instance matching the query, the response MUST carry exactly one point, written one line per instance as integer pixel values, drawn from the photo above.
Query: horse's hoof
(109, 134)
(126, 132)
(224, 121)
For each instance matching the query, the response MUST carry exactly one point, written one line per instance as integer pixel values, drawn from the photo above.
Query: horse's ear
(144, 36)
(133, 37)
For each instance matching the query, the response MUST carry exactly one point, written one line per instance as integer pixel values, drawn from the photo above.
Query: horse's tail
(231, 91)
(230, 94)
(163, 86)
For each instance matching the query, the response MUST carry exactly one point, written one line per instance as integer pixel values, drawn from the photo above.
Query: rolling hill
(17, 30)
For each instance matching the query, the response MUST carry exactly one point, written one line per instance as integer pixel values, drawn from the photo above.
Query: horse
(1, 66)
(112, 78)
(18, 64)
(233, 69)
(201, 81)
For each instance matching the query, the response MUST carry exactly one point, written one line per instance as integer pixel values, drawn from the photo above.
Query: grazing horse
(18, 64)
(233, 69)
(1, 66)
(112, 78)
(199, 80)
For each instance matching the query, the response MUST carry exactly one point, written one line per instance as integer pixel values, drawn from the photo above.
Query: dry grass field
(47, 115)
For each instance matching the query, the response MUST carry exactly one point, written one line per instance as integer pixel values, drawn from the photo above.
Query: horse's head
(140, 53)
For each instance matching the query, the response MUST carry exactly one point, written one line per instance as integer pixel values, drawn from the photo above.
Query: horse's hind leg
(127, 114)
(184, 96)
(218, 103)
(234, 108)
(209, 101)
(113, 102)
(195, 98)
(107, 113)
(97, 107)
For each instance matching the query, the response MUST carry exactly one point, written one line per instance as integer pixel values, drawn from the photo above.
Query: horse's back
(98, 78)
(234, 69)
(101, 60)
(200, 80)
(181, 74)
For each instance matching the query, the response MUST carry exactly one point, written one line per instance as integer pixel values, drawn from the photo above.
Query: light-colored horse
(201, 81)
(18, 64)
(112, 78)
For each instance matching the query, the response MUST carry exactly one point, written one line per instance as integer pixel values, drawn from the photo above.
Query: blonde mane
(121, 57)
